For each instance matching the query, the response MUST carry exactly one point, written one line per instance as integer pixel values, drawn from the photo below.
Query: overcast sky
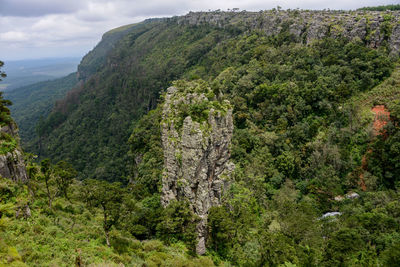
(70, 28)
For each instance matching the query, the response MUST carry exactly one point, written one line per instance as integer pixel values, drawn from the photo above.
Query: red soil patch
(364, 166)
(362, 182)
(382, 116)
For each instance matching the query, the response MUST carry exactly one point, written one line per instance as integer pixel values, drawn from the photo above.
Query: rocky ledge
(374, 28)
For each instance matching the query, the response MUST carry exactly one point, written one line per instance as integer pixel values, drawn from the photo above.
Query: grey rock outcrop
(196, 156)
(374, 28)
(350, 195)
(330, 215)
(394, 41)
(12, 165)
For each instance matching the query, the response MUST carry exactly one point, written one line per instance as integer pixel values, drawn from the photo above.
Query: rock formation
(12, 165)
(374, 28)
(196, 138)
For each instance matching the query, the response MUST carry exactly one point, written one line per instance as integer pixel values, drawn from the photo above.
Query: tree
(64, 174)
(342, 247)
(221, 230)
(109, 198)
(47, 172)
(2, 73)
(4, 111)
(178, 222)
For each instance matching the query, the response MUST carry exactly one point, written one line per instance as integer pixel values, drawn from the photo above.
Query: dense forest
(381, 8)
(33, 103)
(315, 146)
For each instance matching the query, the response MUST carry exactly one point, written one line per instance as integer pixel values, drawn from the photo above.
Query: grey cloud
(34, 8)
(92, 17)
(154, 8)
(102, 10)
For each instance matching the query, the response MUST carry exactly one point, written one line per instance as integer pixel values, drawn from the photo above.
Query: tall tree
(4, 111)
(109, 198)
(64, 175)
(47, 172)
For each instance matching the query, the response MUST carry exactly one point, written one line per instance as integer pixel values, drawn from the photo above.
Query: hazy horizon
(25, 72)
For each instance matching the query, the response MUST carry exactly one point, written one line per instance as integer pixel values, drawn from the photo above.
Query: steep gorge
(266, 118)
(124, 75)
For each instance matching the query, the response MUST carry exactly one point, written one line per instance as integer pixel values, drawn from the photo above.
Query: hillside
(219, 138)
(145, 58)
(145, 61)
(32, 102)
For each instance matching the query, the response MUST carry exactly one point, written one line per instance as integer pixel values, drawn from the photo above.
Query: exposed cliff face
(374, 28)
(196, 154)
(100, 57)
(12, 163)
(95, 59)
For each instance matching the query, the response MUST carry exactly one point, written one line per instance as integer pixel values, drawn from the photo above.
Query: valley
(220, 138)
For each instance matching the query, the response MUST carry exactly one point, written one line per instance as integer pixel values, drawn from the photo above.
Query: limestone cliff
(196, 137)
(12, 165)
(373, 27)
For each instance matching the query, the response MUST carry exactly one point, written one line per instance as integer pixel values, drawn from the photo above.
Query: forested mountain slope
(32, 102)
(145, 61)
(36, 101)
(314, 183)
(97, 58)
(255, 136)
(124, 78)
(21, 73)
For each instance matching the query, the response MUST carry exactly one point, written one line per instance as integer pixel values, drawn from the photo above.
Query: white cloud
(13, 36)
(47, 28)
(98, 11)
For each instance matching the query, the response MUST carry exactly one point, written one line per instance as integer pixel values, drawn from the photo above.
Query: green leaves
(7, 143)
(64, 174)
(57, 178)
(178, 222)
(109, 198)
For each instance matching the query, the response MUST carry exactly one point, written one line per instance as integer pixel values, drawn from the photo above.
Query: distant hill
(381, 8)
(25, 72)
